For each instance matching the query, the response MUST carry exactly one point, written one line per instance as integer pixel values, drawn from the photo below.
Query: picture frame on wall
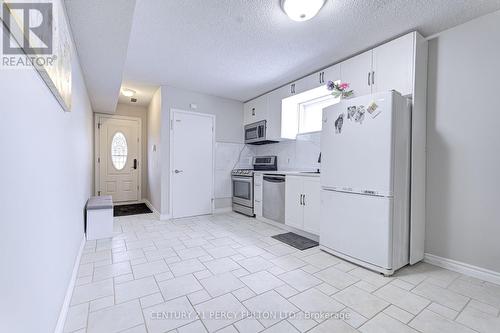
(35, 34)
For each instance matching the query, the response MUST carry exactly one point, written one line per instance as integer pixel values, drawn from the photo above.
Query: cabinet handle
(253, 111)
(300, 200)
(304, 200)
(369, 75)
(373, 77)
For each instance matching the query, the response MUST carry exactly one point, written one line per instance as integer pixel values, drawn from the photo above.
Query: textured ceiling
(242, 48)
(101, 30)
(143, 93)
(236, 48)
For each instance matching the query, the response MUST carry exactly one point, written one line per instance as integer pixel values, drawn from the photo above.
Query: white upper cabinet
(393, 65)
(331, 73)
(304, 84)
(255, 110)
(318, 79)
(274, 112)
(390, 66)
(357, 72)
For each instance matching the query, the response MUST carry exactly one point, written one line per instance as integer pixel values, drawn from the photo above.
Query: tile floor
(224, 273)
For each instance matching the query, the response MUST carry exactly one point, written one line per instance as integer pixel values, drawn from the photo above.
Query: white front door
(192, 165)
(118, 157)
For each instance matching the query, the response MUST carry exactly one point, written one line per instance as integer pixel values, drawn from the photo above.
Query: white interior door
(192, 165)
(118, 157)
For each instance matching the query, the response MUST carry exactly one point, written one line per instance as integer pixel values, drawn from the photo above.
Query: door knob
(177, 171)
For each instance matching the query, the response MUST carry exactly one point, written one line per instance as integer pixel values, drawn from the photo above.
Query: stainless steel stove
(242, 180)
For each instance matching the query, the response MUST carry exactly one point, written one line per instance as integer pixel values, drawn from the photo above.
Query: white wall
(46, 178)
(153, 155)
(463, 138)
(228, 130)
(142, 113)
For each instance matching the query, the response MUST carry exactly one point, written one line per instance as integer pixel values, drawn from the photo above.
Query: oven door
(243, 190)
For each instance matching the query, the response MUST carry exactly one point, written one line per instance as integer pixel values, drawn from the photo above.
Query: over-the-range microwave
(255, 134)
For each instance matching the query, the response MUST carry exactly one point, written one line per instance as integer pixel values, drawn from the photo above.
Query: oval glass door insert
(119, 151)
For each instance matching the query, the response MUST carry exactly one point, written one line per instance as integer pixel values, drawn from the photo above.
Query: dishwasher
(273, 198)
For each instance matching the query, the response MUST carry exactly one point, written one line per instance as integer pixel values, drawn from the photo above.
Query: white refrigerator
(365, 181)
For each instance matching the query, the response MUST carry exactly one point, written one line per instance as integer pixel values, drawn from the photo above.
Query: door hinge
(171, 124)
(98, 125)
(99, 193)
(98, 160)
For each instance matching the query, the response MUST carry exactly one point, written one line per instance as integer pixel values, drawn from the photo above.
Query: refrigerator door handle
(369, 76)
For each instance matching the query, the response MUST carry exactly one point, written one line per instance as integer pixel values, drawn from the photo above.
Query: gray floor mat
(297, 241)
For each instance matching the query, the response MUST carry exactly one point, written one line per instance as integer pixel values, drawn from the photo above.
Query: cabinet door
(393, 65)
(311, 190)
(257, 194)
(274, 112)
(293, 206)
(355, 71)
(255, 110)
(331, 74)
(307, 83)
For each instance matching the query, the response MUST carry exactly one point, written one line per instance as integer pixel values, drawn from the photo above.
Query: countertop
(290, 173)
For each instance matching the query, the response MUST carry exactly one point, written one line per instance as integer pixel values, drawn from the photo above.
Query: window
(119, 151)
(311, 113)
(303, 113)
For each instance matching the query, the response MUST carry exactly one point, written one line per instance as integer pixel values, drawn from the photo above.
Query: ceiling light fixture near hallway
(301, 10)
(128, 92)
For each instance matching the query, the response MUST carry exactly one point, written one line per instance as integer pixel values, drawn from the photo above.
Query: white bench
(99, 217)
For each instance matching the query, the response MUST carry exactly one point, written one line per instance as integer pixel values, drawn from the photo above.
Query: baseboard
(164, 217)
(150, 206)
(69, 291)
(288, 228)
(461, 267)
(223, 210)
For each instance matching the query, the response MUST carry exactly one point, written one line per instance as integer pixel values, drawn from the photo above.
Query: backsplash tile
(299, 154)
(228, 156)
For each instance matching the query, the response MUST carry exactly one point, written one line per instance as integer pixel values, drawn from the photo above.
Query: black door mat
(296, 241)
(134, 209)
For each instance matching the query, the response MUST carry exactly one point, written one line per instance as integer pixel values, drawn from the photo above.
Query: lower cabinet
(257, 195)
(302, 203)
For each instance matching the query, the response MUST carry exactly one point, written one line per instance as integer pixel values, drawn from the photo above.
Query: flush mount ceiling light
(301, 10)
(128, 92)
